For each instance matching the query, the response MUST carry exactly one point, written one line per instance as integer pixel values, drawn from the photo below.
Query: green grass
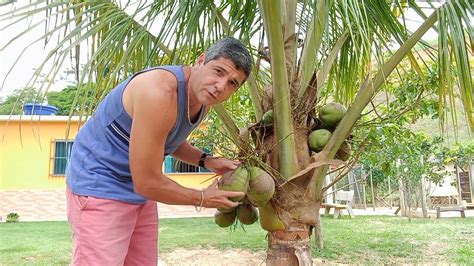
(44, 243)
(365, 239)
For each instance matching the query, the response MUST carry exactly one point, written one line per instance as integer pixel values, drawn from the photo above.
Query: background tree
(315, 51)
(397, 153)
(63, 100)
(68, 98)
(13, 103)
(461, 156)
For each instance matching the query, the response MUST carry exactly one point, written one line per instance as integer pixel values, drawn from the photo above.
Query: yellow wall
(26, 150)
(199, 180)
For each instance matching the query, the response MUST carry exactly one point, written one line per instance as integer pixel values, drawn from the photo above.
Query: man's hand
(220, 165)
(216, 198)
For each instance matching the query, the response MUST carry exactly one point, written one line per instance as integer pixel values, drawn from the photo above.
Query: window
(60, 157)
(173, 165)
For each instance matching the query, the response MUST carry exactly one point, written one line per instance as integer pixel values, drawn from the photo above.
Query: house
(33, 157)
(457, 187)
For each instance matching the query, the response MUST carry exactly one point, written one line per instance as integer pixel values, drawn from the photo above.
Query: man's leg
(101, 229)
(143, 248)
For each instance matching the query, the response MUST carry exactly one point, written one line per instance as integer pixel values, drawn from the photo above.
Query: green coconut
(344, 152)
(261, 186)
(318, 139)
(267, 117)
(318, 124)
(247, 214)
(332, 113)
(269, 220)
(226, 210)
(224, 219)
(235, 180)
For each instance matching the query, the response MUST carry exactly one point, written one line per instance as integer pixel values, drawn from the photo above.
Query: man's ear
(201, 59)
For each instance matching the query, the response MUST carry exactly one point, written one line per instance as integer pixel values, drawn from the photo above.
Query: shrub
(12, 217)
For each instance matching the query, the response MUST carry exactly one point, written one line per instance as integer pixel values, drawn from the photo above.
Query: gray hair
(232, 49)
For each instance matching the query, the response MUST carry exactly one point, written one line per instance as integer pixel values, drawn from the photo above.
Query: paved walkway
(50, 205)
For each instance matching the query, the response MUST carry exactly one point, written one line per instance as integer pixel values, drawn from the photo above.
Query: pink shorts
(110, 232)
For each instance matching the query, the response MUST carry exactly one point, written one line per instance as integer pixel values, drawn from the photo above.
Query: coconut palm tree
(307, 53)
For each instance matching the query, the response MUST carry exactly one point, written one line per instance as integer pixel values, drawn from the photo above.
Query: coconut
(224, 219)
(226, 210)
(261, 186)
(267, 117)
(269, 220)
(318, 124)
(318, 139)
(332, 113)
(235, 180)
(247, 214)
(344, 152)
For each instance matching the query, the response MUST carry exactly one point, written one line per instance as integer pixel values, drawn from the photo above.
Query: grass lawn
(365, 239)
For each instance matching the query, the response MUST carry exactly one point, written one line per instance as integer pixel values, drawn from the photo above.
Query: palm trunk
(290, 244)
(289, 247)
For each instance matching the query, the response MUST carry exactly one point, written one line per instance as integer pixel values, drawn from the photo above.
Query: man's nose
(220, 85)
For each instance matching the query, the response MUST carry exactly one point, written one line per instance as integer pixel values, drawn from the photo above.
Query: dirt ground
(214, 257)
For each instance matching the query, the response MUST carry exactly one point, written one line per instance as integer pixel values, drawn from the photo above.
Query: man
(115, 174)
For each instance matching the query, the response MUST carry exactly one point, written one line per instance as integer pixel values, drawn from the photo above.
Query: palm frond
(454, 19)
(312, 44)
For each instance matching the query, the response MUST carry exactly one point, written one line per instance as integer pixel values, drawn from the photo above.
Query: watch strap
(202, 160)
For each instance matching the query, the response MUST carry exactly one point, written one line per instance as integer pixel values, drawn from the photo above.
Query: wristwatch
(202, 159)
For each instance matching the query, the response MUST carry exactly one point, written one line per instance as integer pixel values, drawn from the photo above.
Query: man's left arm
(191, 155)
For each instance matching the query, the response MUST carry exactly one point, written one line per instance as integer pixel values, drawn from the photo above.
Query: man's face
(216, 80)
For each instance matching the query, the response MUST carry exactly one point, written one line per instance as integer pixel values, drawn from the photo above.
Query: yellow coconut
(269, 220)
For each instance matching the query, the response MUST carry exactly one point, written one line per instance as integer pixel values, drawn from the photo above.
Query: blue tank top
(99, 163)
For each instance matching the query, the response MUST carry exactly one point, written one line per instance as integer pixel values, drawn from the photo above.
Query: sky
(21, 74)
(32, 57)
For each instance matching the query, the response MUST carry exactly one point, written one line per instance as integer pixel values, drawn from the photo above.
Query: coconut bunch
(259, 188)
(329, 116)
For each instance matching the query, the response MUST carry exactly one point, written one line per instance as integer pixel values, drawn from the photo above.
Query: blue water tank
(39, 109)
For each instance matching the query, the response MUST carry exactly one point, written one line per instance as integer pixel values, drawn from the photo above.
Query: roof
(39, 118)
